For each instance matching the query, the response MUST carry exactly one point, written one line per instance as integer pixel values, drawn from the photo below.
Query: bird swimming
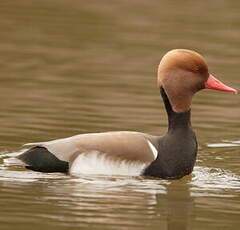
(181, 74)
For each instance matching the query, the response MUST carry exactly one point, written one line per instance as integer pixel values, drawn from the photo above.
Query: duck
(181, 74)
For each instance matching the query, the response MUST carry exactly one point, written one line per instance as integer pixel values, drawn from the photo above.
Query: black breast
(177, 150)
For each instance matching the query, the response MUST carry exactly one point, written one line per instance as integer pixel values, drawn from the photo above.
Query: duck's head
(182, 73)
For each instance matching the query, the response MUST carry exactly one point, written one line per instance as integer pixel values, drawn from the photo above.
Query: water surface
(70, 67)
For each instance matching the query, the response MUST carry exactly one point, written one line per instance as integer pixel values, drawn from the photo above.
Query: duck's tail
(41, 160)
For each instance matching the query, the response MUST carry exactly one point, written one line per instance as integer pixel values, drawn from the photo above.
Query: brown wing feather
(130, 146)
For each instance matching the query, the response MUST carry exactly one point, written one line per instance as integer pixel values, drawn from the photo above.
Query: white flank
(98, 163)
(154, 150)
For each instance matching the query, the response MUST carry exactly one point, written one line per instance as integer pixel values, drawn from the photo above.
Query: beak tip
(213, 83)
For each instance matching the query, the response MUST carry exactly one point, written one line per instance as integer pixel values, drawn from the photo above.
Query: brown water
(70, 67)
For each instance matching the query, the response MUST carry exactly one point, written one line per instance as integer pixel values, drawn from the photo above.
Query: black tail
(41, 160)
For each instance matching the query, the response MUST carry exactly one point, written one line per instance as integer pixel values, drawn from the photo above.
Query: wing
(130, 146)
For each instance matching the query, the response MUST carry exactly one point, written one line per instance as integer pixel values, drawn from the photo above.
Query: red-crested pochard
(181, 74)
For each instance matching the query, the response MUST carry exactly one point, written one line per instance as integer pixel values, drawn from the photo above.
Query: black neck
(175, 120)
(177, 149)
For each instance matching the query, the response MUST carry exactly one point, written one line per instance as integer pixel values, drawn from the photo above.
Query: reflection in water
(104, 202)
(177, 205)
(180, 206)
(70, 67)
